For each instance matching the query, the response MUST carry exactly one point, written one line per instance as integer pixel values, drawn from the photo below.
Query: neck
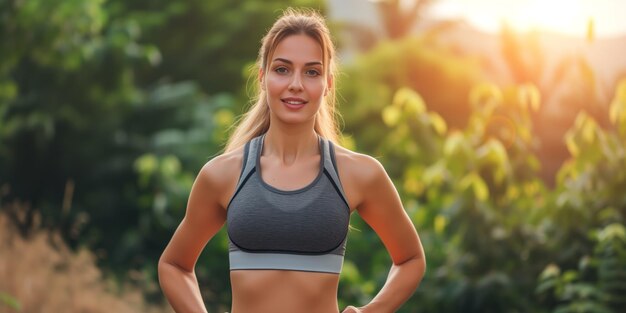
(290, 144)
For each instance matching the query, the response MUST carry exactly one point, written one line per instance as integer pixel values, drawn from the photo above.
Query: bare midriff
(281, 291)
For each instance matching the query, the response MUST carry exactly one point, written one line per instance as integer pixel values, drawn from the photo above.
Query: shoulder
(221, 172)
(359, 169)
(223, 164)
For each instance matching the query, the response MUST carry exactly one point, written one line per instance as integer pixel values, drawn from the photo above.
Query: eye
(312, 72)
(281, 70)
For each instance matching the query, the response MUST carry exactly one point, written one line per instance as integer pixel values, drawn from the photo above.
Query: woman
(286, 193)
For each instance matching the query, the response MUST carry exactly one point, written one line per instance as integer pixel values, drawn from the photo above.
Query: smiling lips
(294, 103)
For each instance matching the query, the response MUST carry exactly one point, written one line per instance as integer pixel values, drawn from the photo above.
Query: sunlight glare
(562, 16)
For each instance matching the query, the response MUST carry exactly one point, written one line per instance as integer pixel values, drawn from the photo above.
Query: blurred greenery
(109, 108)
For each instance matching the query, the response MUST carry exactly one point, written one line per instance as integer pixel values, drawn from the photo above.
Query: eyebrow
(289, 62)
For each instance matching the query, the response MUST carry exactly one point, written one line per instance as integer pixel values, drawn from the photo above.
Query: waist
(283, 291)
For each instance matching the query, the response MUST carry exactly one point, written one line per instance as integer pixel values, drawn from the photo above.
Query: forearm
(401, 282)
(181, 289)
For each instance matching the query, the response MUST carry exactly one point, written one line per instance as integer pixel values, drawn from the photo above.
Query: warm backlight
(564, 16)
(569, 17)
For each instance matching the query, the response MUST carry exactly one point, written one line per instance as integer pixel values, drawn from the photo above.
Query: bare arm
(382, 209)
(204, 217)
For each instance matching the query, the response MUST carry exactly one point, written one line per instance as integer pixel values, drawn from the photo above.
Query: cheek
(317, 88)
(276, 83)
(315, 85)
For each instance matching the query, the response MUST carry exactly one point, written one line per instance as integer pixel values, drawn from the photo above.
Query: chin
(290, 118)
(299, 117)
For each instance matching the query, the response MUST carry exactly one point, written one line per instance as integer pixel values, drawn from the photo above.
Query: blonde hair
(256, 120)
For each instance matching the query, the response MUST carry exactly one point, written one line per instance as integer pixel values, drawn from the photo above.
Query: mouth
(294, 103)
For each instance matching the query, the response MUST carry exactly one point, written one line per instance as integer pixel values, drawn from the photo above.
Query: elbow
(161, 270)
(421, 261)
(165, 268)
(413, 270)
(417, 269)
(421, 268)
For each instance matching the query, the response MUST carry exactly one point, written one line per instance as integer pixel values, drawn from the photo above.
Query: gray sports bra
(302, 230)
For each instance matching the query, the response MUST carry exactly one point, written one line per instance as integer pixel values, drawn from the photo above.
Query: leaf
(434, 174)
(477, 184)
(613, 232)
(146, 163)
(413, 186)
(224, 117)
(493, 154)
(529, 97)
(571, 144)
(454, 143)
(145, 166)
(438, 123)
(570, 276)
(440, 223)
(617, 109)
(588, 130)
(546, 285)
(8, 91)
(512, 192)
(410, 101)
(170, 166)
(551, 271)
(485, 97)
(401, 96)
(391, 115)
(153, 55)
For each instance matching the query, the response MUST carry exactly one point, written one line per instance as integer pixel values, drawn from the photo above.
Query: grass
(41, 274)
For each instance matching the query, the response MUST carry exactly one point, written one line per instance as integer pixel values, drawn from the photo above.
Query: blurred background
(501, 123)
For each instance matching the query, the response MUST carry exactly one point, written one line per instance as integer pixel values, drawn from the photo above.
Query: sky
(564, 16)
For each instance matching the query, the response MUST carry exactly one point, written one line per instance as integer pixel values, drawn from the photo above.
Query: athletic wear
(303, 230)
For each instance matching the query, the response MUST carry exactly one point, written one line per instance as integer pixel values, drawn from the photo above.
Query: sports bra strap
(330, 164)
(248, 164)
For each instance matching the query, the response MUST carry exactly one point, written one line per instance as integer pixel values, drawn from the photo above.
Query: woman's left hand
(351, 309)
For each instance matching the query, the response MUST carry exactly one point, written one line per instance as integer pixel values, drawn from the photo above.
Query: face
(295, 81)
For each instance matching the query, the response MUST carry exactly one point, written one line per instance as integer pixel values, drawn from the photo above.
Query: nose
(296, 83)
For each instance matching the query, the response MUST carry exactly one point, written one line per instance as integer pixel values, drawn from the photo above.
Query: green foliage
(441, 78)
(597, 285)
(209, 42)
(474, 195)
(488, 223)
(486, 220)
(591, 181)
(587, 217)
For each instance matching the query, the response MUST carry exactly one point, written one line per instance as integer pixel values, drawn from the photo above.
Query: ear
(330, 80)
(261, 77)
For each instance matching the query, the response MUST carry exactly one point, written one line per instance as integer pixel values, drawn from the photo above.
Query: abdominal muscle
(282, 291)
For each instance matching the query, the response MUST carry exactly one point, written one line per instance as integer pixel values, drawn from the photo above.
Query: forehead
(298, 48)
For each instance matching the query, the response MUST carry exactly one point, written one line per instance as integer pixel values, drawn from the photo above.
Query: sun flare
(562, 16)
